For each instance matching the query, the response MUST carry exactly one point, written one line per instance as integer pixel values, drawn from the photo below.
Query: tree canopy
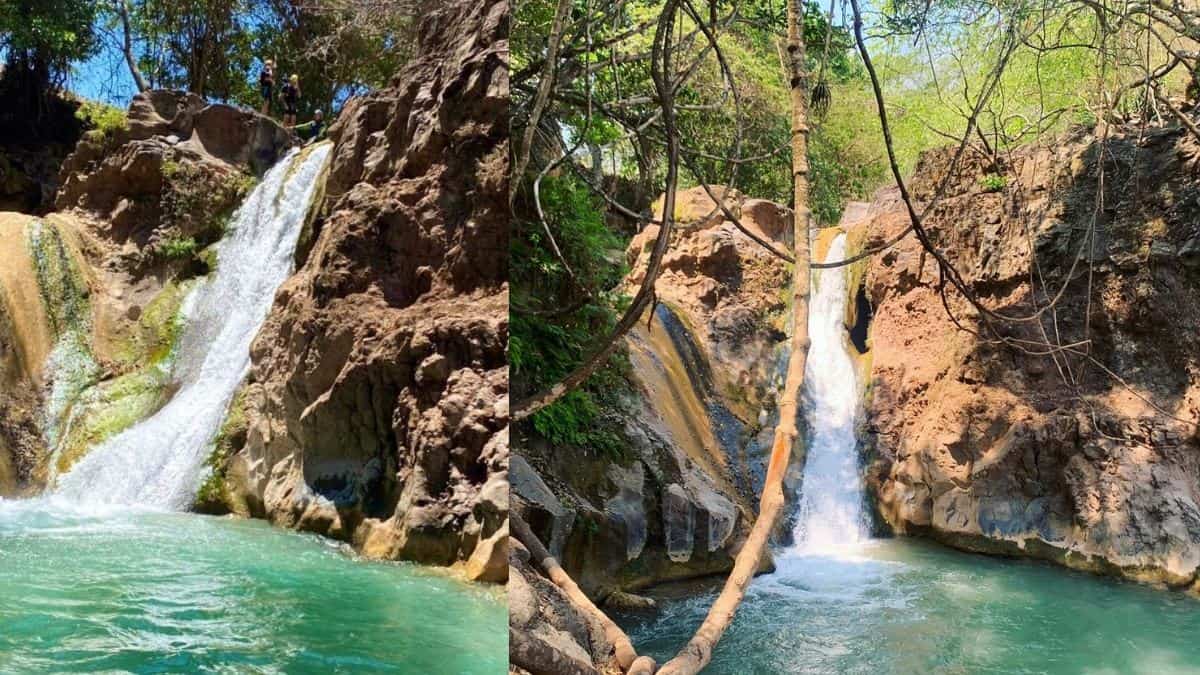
(215, 48)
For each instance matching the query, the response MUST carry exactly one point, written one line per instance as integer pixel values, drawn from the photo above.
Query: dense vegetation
(211, 47)
(988, 76)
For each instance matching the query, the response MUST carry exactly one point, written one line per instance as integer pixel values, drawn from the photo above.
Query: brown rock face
(377, 401)
(725, 287)
(179, 159)
(676, 500)
(992, 449)
(172, 175)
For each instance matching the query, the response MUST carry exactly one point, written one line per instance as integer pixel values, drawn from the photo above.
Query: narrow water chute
(831, 517)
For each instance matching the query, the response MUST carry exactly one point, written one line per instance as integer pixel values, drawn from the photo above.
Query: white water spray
(831, 505)
(159, 462)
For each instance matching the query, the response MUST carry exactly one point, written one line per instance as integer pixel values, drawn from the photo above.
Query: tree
(215, 48)
(40, 40)
(698, 651)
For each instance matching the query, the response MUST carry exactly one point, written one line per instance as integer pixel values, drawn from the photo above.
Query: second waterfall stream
(159, 462)
(831, 517)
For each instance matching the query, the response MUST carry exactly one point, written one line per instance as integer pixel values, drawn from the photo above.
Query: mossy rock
(214, 496)
(152, 338)
(108, 409)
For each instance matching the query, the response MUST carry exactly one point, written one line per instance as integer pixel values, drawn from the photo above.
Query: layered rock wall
(376, 408)
(676, 502)
(1089, 457)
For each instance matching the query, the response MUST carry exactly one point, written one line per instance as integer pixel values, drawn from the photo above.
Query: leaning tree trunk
(127, 46)
(698, 651)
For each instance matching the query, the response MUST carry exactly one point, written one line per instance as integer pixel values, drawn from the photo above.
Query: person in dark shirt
(314, 130)
(290, 95)
(266, 84)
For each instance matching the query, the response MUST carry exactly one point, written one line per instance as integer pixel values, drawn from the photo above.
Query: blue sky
(104, 77)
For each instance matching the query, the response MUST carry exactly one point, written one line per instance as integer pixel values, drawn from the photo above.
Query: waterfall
(831, 504)
(159, 462)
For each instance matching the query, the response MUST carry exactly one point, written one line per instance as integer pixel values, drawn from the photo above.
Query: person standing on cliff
(266, 84)
(290, 95)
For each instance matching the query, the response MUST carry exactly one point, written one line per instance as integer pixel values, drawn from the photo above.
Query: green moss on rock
(109, 408)
(213, 496)
(152, 338)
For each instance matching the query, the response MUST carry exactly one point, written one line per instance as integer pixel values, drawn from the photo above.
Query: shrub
(993, 182)
(544, 349)
(104, 119)
(177, 248)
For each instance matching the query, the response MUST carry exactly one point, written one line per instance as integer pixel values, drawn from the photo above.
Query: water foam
(831, 518)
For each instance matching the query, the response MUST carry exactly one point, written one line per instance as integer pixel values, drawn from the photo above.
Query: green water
(179, 593)
(907, 607)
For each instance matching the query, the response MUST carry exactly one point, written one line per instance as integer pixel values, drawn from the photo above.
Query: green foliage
(177, 249)
(575, 420)
(104, 119)
(39, 39)
(708, 119)
(544, 349)
(576, 218)
(217, 47)
(993, 182)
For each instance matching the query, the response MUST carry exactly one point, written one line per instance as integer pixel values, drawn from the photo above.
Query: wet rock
(679, 522)
(629, 602)
(625, 508)
(380, 375)
(529, 486)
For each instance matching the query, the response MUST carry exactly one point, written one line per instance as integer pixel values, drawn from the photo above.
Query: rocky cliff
(90, 293)
(376, 408)
(1088, 457)
(678, 499)
(33, 146)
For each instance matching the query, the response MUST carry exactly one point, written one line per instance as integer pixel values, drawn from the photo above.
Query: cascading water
(159, 462)
(830, 515)
(841, 602)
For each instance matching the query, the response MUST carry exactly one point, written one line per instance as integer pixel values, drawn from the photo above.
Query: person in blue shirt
(312, 131)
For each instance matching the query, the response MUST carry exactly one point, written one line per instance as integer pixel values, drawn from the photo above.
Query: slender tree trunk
(127, 46)
(597, 163)
(624, 653)
(542, 98)
(696, 655)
